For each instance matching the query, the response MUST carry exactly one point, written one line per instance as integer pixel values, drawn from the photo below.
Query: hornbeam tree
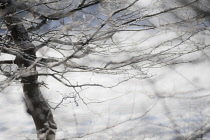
(84, 37)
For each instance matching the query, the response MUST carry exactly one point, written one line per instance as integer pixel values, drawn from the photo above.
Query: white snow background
(173, 102)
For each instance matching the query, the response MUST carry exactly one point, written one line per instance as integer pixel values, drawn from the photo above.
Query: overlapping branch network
(93, 35)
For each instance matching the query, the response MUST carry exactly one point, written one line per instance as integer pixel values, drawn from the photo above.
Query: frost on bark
(37, 106)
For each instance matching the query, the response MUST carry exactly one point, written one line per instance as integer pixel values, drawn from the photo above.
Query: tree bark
(36, 104)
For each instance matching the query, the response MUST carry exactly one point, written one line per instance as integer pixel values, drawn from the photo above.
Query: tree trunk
(37, 106)
(39, 109)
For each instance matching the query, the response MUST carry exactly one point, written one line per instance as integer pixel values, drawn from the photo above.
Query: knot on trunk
(31, 79)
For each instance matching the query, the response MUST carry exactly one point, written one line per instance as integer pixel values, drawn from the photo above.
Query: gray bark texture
(36, 104)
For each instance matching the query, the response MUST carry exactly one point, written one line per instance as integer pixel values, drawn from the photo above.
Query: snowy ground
(173, 103)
